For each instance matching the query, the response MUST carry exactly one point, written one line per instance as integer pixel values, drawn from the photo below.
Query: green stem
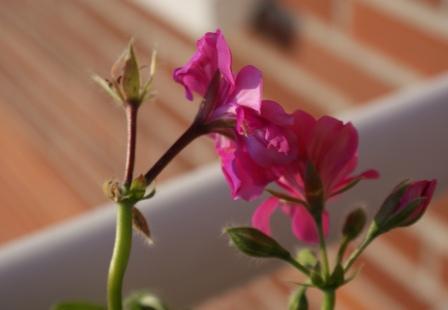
(355, 254)
(323, 249)
(345, 242)
(297, 265)
(329, 300)
(120, 256)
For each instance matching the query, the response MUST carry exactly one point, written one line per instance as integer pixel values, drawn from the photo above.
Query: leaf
(140, 225)
(77, 305)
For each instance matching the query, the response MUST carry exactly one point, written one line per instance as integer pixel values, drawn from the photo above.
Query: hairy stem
(194, 131)
(131, 117)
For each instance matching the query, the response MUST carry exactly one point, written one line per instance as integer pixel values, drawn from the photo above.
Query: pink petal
(224, 57)
(248, 88)
(261, 219)
(304, 227)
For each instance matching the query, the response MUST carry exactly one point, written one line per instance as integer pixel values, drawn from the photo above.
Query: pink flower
(212, 63)
(262, 145)
(405, 205)
(327, 157)
(331, 147)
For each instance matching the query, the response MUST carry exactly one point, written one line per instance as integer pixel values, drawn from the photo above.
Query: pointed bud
(405, 205)
(254, 243)
(354, 224)
(125, 85)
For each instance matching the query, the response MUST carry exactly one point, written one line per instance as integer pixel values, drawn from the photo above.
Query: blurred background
(61, 137)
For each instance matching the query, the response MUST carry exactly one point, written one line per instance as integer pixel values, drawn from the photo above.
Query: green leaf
(255, 243)
(307, 258)
(298, 300)
(286, 197)
(77, 305)
(144, 301)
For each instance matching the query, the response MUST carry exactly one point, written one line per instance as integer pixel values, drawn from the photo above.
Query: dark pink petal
(248, 88)
(304, 227)
(224, 57)
(212, 54)
(245, 177)
(261, 219)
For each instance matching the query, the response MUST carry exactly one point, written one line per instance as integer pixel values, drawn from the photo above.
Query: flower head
(211, 67)
(261, 146)
(326, 158)
(405, 205)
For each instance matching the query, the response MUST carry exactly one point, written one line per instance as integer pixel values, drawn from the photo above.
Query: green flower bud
(255, 243)
(354, 224)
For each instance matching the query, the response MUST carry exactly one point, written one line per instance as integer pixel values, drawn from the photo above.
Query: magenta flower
(326, 159)
(405, 205)
(262, 145)
(213, 59)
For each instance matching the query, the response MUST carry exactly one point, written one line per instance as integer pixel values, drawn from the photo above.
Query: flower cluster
(311, 160)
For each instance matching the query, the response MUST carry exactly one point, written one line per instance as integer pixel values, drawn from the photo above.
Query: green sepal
(77, 305)
(316, 279)
(298, 300)
(314, 190)
(253, 242)
(144, 301)
(131, 76)
(108, 88)
(337, 277)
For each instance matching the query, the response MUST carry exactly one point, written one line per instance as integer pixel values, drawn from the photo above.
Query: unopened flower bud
(253, 242)
(125, 84)
(405, 205)
(354, 224)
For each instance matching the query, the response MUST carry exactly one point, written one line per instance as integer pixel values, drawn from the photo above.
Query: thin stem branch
(323, 248)
(194, 131)
(355, 254)
(297, 265)
(343, 247)
(131, 117)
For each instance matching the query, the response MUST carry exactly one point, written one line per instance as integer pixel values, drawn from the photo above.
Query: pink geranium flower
(251, 137)
(212, 63)
(328, 146)
(262, 145)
